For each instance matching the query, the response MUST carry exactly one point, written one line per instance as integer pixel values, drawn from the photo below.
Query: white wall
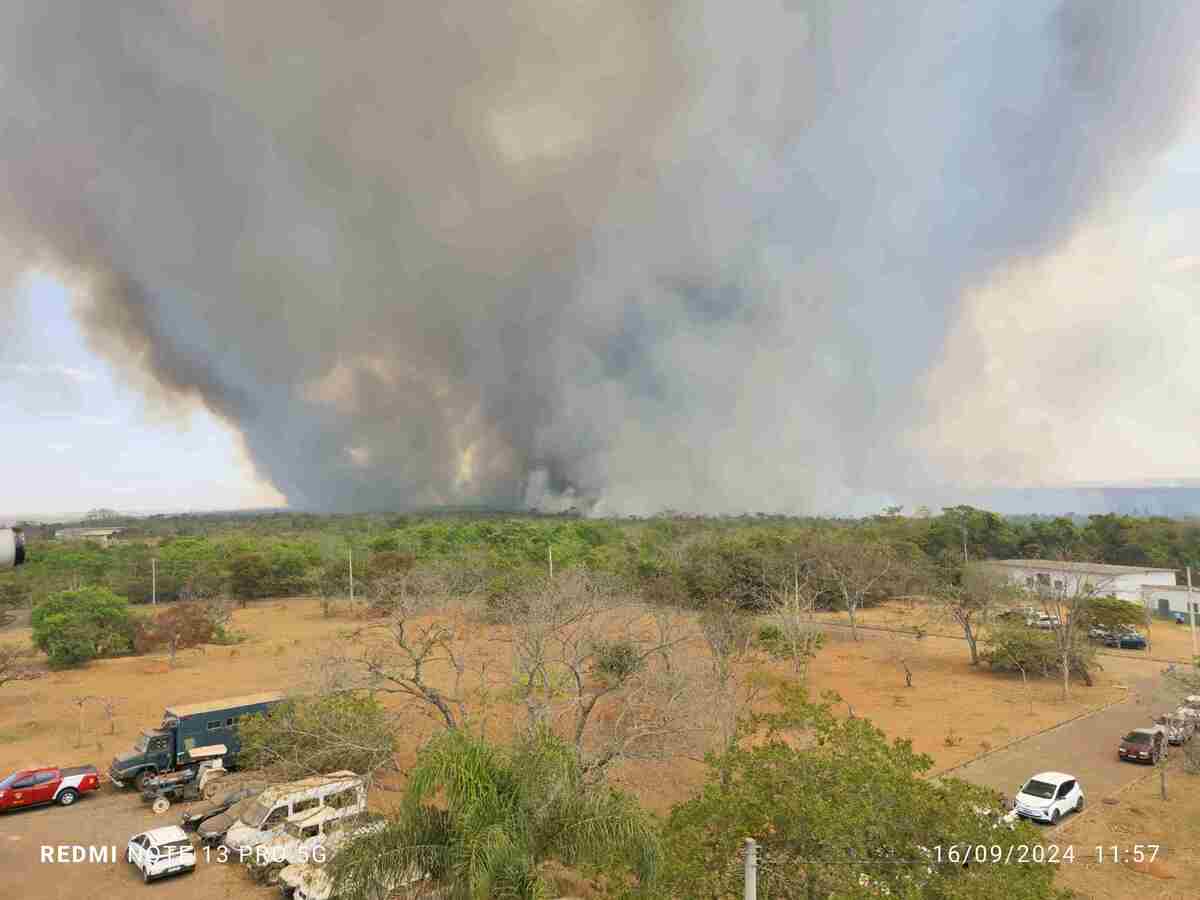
(1127, 586)
(1176, 600)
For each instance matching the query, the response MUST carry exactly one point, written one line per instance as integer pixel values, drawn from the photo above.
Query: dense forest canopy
(284, 553)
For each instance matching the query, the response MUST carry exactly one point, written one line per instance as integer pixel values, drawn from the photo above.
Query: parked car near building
(1126, 640)
(1180, 728)
(1146, 745)
(1048, 796)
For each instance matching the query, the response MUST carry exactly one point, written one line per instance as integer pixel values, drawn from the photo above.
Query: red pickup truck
(47, 784)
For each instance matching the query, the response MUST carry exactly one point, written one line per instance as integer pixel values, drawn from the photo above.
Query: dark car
(192, 820)
(1126, 640)
(1143, 745)
(212, 830)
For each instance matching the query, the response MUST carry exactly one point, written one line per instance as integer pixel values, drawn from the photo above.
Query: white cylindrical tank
(12, 548)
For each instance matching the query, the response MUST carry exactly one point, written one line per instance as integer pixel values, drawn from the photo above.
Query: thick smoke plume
(632, 255)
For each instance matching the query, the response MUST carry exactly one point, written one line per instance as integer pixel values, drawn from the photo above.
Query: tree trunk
(971, 644)
(853, 624)
(1066, 670)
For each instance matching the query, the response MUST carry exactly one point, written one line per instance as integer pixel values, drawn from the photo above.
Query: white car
(1048, 796)
(162, 851)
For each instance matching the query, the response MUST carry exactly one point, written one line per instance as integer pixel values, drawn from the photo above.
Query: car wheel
(142, 777)
(1054, 817)
(145, 876)
(69, 796)
(1079, 804)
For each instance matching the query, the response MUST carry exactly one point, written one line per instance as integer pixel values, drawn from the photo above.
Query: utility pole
(964, 531)
(1192, 615)
(154, 581)
(550, 553)
(750, 891)
(351, 552)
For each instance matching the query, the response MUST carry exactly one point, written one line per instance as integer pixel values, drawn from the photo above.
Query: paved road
(1086, 747)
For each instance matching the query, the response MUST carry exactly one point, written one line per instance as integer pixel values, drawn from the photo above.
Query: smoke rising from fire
(630, 255)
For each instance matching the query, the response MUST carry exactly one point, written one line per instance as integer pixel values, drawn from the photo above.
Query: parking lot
(101, 823)
(1086, 747)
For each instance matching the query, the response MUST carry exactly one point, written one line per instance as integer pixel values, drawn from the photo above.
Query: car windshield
(1036, 788)
(9, 780)
(1137, 737)
(257, 813)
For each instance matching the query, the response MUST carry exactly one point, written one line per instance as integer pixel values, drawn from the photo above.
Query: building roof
(1056, 565)
(193, 709)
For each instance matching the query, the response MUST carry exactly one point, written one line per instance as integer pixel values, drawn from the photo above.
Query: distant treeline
(285, 554)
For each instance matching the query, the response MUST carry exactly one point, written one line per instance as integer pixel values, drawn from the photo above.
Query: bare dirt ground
(1139, 817)
(952, 711)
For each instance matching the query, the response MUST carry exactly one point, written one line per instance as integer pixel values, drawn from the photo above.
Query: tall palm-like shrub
(481, 821)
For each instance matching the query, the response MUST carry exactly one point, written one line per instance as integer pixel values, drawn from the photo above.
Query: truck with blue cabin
(183, 728)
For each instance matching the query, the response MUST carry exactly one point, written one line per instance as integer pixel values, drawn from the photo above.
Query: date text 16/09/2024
(1045, 853)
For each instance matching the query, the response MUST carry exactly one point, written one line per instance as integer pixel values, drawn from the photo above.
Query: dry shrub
(187, 624)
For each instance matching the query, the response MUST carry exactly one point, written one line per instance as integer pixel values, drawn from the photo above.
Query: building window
(214, 725)
(1043, 579)
(1029, 581)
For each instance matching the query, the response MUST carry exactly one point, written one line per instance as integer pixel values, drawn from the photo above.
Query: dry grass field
(952, 711)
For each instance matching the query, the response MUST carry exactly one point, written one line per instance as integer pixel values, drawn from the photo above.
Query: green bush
(616, 660)
(309, 735)
(1013, 648)
(72, 627)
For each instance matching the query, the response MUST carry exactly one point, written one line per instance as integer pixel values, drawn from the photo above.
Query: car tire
(1079, 804)
(141, 778)
(69, 796)
(1054, 817)
(145, 876)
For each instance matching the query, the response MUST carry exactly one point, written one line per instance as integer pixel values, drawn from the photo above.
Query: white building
(98, 535)
(1167, 599)
(1127, 582)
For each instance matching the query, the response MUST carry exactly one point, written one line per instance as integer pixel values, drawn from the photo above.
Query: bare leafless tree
(729, 639)
(1066, 601)
(794, 606)
(857, 570)
(970, 598)
(14, 663)
(406, 654)
(584, 668)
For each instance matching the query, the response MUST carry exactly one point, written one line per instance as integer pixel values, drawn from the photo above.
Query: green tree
(72, 627)
(249, 576)
(845, 815)
(1113, 612)
(484, 821)
(311, 735)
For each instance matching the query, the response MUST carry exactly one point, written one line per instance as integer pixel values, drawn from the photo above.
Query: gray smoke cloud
(630, 255)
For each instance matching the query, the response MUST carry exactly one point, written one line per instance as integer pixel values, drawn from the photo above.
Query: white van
(342, 792)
